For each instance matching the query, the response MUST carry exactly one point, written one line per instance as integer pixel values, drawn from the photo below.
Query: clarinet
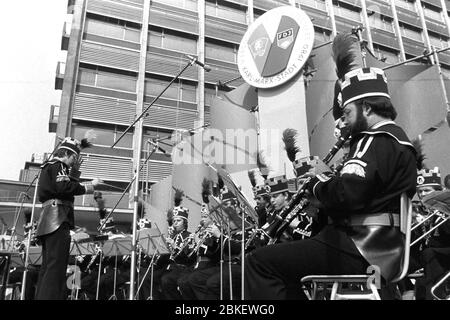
(282, 220)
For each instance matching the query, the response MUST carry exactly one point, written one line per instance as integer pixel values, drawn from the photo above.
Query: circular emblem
(275, 47)
(420, 180)
(268, 189)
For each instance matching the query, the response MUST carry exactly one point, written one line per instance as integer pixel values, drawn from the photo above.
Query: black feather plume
(251, 176)
(289, 136)
(420, 155)
(206, 190)
(345, 54)
(178, 197)
(89, 137)
(261, 163)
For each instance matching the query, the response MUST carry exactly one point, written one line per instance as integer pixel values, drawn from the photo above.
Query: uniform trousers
(169, 281)
(55, 257)
(274, 272)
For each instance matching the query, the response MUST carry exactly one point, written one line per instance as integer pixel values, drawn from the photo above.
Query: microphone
(195, 60)
(156, 145)
(192, 131)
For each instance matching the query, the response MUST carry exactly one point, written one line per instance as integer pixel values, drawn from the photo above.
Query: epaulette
(50, 162)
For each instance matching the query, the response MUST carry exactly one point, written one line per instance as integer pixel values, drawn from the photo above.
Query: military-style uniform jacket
(211, 247)
(56, 192)
(380, 167)
(183, 256)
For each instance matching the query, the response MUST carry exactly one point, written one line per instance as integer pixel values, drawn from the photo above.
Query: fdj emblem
(285, 38)
(275, 47)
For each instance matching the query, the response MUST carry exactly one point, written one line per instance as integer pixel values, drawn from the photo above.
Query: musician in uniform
(58, 184)
(380, 167)
(433, 251)
(204, 282)
(16, 274)
(260, 195)
(181, 262)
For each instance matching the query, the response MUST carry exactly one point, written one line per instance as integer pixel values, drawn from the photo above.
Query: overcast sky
(30, 49)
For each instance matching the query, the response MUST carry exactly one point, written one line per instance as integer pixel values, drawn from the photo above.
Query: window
(185, 4)
(153, 87)
(437, 41)
(217, 10)
(345, 12)
(321, 35)
(171, 41)
(92, 77)
(318, 4)
(86, 76)
(105, 136)
(210, 94)
(411, 33)
(224, 53)
(115, 29)
(381, 22)
(155, 133)
(406, 5)
(435, 15)
(116, 81)
(387, 55)
(177, 91)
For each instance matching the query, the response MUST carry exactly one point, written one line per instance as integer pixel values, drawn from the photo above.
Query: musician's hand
(214, 230)
(294, 223)
(96, 182)
(169, 241)
(312, 199)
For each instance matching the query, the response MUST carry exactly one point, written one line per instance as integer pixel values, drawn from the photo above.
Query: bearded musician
(362, 201)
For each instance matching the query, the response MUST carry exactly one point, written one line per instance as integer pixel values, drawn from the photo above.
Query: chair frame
(339, 280)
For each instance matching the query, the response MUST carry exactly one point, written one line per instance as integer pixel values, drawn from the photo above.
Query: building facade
(121, 54)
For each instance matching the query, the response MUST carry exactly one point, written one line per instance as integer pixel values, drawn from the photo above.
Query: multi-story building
(123, 53)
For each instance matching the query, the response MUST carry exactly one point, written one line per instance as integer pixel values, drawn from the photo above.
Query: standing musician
(381, 167)
(58, 184)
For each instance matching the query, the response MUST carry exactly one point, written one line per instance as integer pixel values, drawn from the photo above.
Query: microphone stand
(190, 63)
(125, 191)
(139, 118)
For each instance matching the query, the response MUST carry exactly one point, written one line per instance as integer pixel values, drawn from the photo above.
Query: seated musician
(110, 268)
(16, 273)
(260, 195)
(432, 252)
(204, 282)
(362, 200)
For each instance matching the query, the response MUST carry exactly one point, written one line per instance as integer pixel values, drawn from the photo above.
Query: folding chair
(360, 287)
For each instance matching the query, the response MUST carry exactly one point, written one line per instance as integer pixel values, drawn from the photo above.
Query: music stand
(152, 242)
(34, 255)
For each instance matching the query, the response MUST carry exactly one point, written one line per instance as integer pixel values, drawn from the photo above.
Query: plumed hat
(429, 177)
(181, 212)
(354, 80)
(226, 194)
(277, 184)
(75, 145)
